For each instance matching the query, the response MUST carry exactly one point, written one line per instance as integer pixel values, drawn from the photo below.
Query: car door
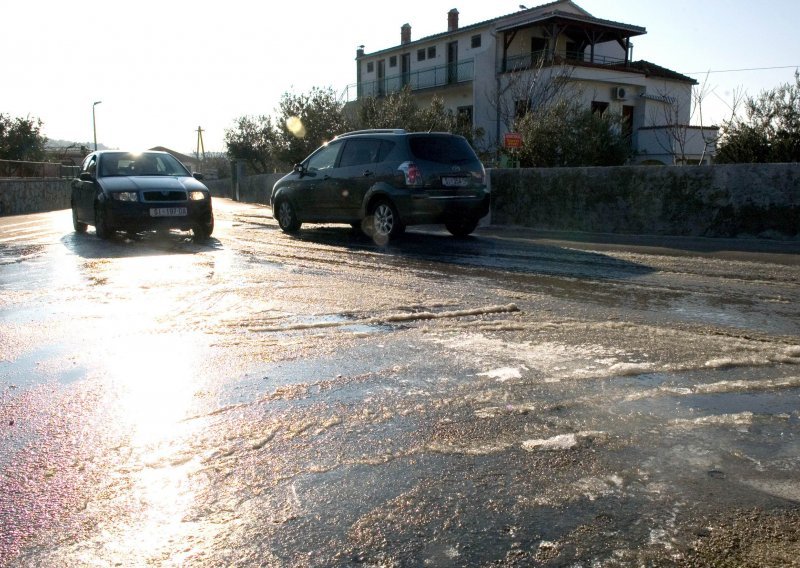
(84, 189)
(354, 176)
(312, 189)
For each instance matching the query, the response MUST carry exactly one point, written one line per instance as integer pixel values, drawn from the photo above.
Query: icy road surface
(510, 399)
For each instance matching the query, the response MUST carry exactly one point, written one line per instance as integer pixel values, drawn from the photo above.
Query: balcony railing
(546, 59)
(431, 77)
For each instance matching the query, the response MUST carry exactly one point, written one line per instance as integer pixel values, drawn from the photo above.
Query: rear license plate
(455, 181)
(168, 212)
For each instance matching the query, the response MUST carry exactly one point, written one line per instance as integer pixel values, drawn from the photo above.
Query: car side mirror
(198, 176)
(86, 176)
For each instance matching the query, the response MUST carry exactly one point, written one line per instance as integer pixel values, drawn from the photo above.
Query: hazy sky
(163, 68)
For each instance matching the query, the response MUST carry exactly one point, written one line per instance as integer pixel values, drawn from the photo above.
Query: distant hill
(68, 143)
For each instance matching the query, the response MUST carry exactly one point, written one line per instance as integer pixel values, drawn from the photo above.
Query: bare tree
(677, 131)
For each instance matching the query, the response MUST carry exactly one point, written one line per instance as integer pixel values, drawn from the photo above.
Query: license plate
(455, 181)
(168, 212)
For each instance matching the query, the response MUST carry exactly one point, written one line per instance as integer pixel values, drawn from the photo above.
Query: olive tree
(769, 131)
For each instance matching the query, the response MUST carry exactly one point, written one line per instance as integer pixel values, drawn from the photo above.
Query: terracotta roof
(584, 17)
(653, 70)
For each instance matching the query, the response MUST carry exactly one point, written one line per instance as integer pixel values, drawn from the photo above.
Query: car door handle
(367, 173)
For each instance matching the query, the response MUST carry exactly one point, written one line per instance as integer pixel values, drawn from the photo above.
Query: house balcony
(545, 58)
(428, 78)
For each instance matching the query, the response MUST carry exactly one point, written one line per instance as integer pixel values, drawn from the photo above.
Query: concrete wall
(19, 196)
(712, 201)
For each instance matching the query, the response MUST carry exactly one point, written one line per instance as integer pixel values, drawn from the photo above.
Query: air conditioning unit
(619, 93)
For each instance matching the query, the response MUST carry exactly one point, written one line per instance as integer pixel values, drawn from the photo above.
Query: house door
(627, 116)
(405, 69)
(452, 62)
(381, 77)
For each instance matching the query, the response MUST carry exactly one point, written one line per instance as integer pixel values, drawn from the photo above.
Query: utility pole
(200, 146)
(94, 124)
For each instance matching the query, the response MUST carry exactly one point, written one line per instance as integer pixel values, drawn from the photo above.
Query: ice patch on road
(502, 375)
(739, 419)
(563, 441)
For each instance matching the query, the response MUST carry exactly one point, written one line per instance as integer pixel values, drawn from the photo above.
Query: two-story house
(489, 72)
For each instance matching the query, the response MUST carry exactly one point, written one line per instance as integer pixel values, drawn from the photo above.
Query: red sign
(512, 140)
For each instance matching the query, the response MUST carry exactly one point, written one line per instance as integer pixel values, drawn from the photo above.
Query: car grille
(164, 196)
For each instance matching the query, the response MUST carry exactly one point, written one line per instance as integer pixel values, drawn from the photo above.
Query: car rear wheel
(77, 225)
(386, 222)
(286, 216)
(461, 227)
(101, 227)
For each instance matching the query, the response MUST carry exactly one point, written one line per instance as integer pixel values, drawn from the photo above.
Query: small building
(490, 72)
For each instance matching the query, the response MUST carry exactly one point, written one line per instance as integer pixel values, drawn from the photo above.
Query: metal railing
(546, 58)
(23, 169)
(439, 76)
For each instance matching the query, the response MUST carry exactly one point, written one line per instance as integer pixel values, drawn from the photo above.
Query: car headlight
(197, 195)
(125, 196)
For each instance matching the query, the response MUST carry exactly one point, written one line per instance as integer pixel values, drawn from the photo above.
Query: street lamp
(94, 125)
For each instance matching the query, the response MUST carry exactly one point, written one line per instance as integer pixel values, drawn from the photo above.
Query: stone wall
(19, 196)
(712, 201)
(760, 200)
(252, 189)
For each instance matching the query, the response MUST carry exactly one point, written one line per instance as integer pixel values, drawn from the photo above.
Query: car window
(359, 151)
(386, 148)
(91, 164)
(324, 158)
(442, 149)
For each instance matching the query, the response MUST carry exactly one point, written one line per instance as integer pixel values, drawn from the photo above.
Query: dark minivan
(383, 180)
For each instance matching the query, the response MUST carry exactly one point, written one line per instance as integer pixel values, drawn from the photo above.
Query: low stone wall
(761, 200)
(713, 201)
(252, 189)
(18, 196)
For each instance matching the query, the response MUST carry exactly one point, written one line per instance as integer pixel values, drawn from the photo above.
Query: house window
(538, 45)
(476, 41)
(421, 55)
(574, 51)
(432, 52)
(370, 67)
(521, 108)
(464, 115)
(393, 61)
(599, 107)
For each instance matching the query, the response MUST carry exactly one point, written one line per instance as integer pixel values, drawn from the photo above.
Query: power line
(740, 70)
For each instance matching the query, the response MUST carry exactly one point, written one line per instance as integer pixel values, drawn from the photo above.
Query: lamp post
(94, 125)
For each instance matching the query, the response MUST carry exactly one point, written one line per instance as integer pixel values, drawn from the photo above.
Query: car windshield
(144, 164)
(442, 149)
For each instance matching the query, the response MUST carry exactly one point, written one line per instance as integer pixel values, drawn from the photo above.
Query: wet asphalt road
(510, 399)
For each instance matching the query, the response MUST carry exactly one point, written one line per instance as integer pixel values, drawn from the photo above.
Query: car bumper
(423, 209)
(167, 215)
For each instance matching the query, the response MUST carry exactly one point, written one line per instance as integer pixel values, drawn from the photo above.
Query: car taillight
(412, 173)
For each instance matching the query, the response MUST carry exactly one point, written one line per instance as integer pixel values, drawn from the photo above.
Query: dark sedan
(138, 192)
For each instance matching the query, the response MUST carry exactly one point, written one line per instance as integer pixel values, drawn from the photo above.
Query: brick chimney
(452, 20)
(405, 34)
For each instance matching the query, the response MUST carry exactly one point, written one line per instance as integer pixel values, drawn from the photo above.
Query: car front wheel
(101, 227)
(77, 225)
(287, 218)
(203, 229)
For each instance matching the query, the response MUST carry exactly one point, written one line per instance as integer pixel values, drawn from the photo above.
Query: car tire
(101, 227)
(77, 225)
(461, 227)
(385, 221)
(202, 230)
(286, 216)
